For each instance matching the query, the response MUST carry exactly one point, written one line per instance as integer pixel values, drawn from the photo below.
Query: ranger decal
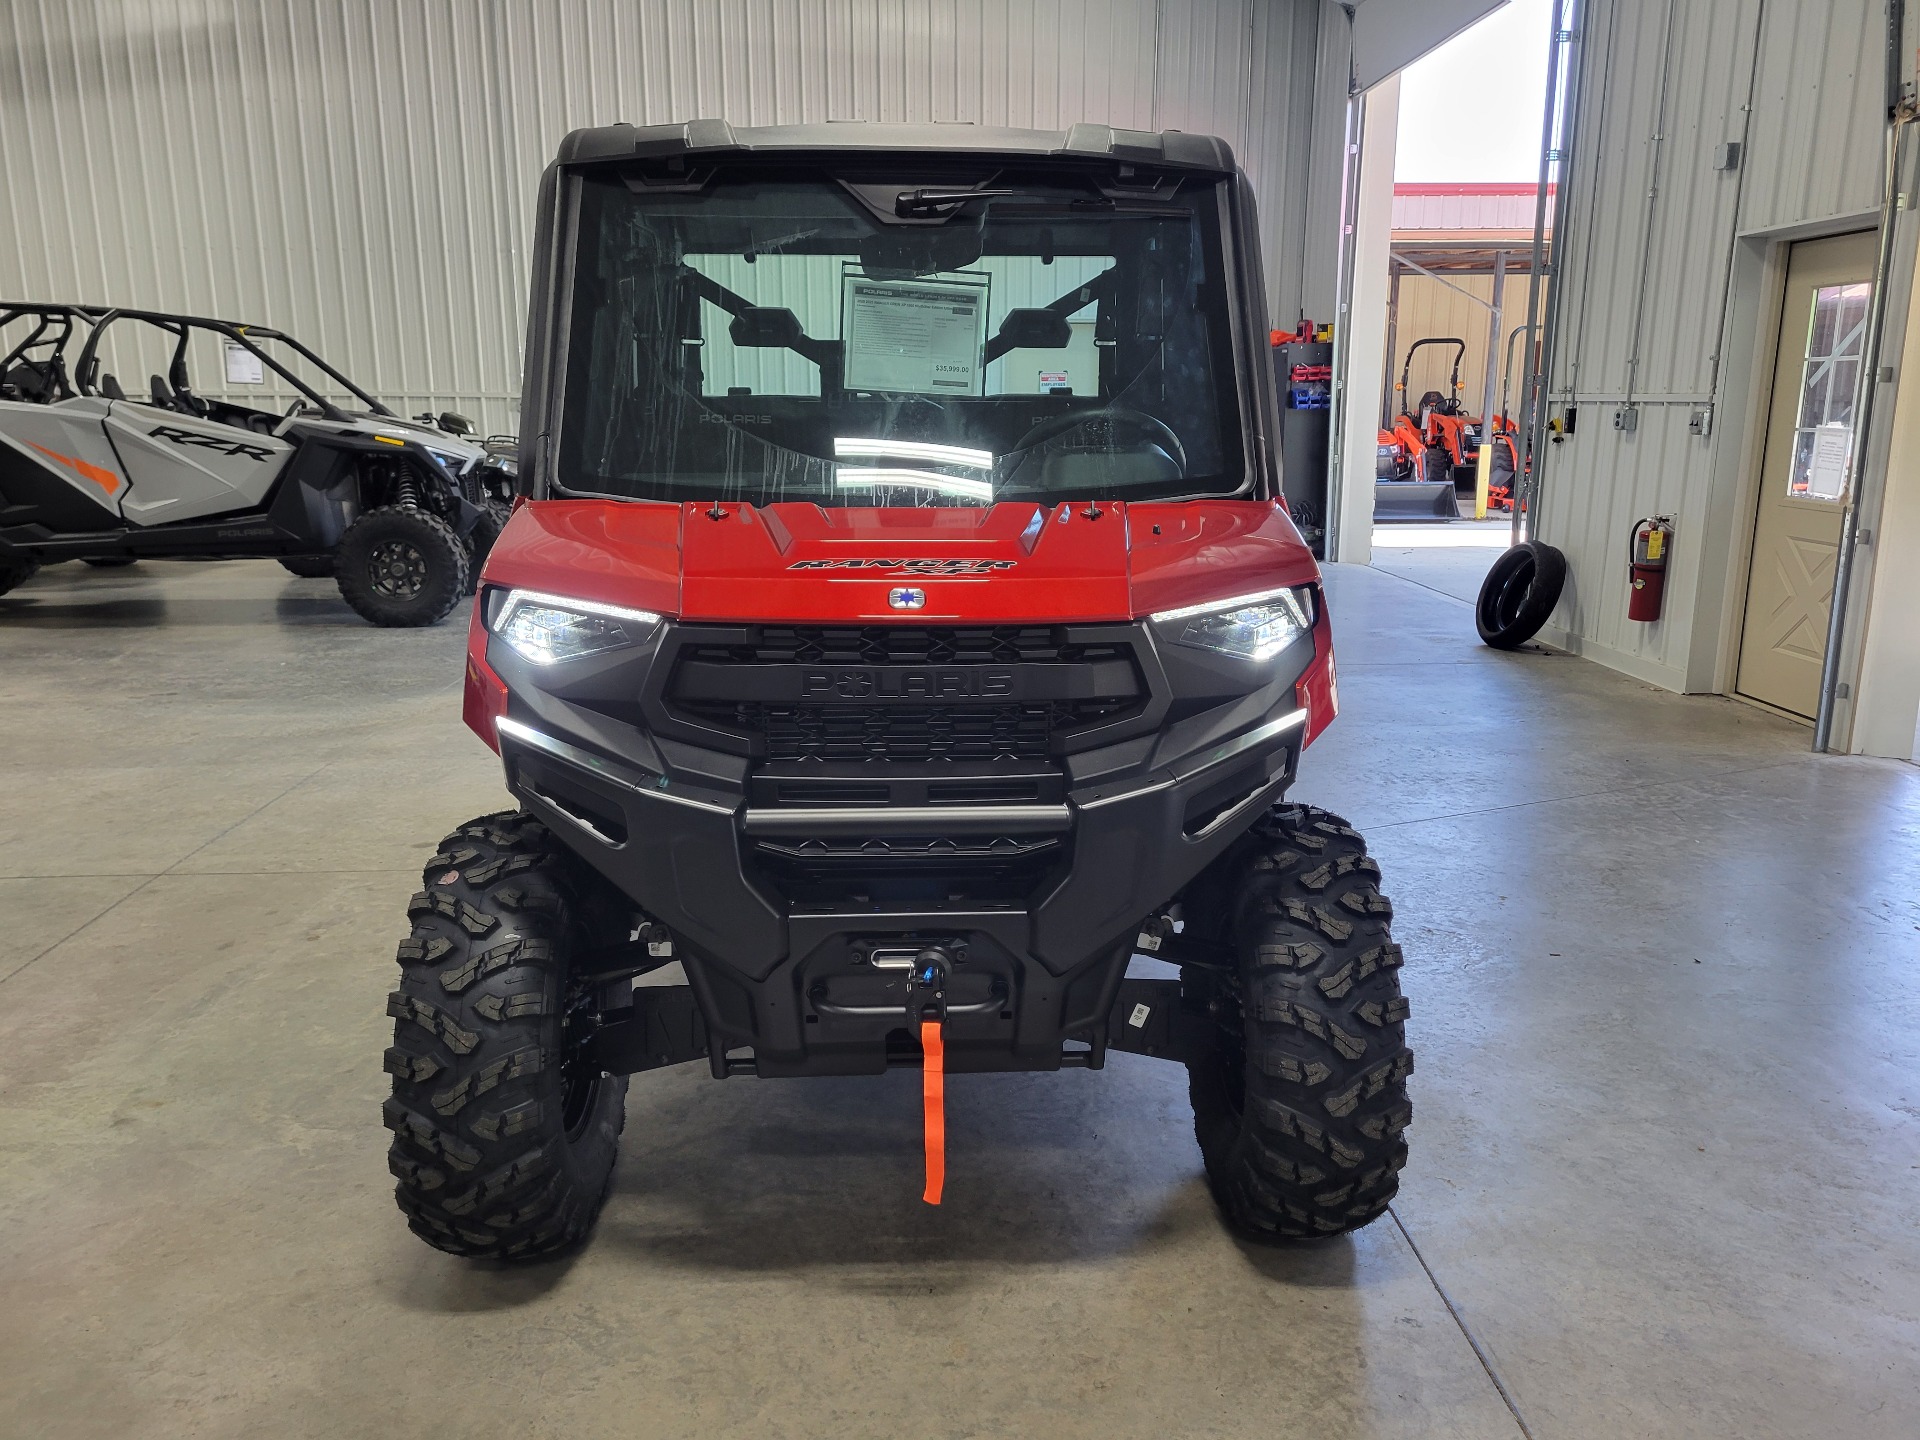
(910, 567)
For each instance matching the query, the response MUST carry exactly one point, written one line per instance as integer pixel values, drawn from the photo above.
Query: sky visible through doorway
(1471, 110)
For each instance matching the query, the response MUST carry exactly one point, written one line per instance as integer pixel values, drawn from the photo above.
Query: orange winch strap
(933, 1092)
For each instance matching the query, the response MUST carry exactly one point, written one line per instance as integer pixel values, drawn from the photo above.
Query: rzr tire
(108, 562)
(15, 572)
(493, 519)
(397, 566)
(1519, 594)
(308, 567)
(1301, 1105)
(503, 1146)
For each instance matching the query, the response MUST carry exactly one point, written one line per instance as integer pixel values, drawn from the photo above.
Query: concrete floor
(1665, 970)
(1450, 559)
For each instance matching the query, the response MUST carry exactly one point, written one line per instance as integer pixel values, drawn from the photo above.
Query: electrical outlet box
(1626, 419)
(1700, 422)
(1727, 156)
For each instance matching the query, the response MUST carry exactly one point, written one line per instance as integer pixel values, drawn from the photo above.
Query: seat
(110, 387)
(31, 380)
(162, 395)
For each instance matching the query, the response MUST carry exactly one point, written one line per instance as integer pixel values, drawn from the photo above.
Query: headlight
(454, 463)
(1247, 627)
(550, 628)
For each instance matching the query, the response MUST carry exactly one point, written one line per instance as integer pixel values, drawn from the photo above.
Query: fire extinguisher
(1647, 563)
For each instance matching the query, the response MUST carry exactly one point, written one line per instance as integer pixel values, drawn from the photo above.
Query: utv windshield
(785, 335)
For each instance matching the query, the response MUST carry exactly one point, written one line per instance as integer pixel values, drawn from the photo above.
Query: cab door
(185, 467)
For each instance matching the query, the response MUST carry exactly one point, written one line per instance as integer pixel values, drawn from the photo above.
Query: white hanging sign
(1827, 465)
(243, 366)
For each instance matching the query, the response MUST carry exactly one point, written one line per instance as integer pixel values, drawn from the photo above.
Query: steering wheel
(1113, 414)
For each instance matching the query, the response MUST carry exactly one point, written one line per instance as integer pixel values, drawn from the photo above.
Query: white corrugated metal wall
(1649, 234)
(361, 173)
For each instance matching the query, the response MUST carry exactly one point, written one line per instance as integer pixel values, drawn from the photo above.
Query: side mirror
(455, 424)
(766, 327)
(1034, 330)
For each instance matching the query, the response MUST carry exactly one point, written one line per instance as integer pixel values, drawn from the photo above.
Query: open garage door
(1389, 35)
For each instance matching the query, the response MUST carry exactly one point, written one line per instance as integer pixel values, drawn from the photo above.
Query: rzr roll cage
(87, 367)
(52, 327)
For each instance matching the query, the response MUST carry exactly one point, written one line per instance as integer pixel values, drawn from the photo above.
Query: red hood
(799, 562)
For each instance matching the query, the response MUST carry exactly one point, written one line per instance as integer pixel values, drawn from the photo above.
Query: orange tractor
(1439, 441)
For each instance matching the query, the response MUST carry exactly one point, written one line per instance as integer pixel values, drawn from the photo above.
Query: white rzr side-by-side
(306, 468)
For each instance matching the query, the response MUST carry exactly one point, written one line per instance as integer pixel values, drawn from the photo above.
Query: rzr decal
(210, 442)
(910, 567)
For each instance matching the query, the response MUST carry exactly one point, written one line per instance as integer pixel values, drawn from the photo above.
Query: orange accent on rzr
(104, 478)
(933, 1094)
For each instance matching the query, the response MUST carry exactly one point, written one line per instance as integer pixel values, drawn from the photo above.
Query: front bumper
(787, 893)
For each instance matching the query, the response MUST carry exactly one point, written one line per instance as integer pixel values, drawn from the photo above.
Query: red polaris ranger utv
(900, 632)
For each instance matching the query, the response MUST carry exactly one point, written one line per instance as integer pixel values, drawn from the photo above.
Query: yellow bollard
(1482, 477)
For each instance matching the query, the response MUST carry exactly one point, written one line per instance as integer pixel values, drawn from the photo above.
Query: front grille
(939, 848)
(934, 735)
(909, 645)
(892, 722)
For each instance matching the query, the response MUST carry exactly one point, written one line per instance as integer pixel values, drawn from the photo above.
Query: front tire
(493, 519)
(1300, 1106)
(401, 567)
(503, 1141)
(15, 572)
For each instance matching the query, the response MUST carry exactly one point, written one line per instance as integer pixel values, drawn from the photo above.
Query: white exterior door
(1805, 472)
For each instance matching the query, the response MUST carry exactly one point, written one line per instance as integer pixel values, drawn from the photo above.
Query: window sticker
(918, 337)
(243, 366)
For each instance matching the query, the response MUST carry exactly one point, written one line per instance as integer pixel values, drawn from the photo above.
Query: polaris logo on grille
(910, 567)
(901, 683)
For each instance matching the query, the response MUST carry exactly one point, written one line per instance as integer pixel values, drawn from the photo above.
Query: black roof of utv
(711, 137)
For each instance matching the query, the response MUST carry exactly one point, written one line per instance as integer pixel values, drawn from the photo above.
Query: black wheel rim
(1513, 594)
(1230, 1052)
(397, 570)
(579, 1082)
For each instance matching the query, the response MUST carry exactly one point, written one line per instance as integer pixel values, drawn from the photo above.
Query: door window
(1830, 373)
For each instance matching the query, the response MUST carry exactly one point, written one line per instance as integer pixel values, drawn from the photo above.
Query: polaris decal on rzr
(910, 567)
(901, 683)
(210, 442)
